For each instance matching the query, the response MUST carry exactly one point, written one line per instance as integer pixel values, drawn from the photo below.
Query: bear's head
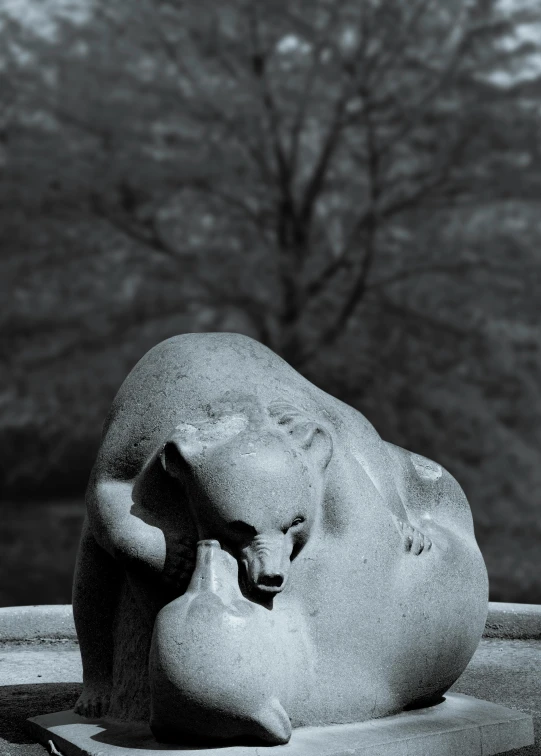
(257, 490)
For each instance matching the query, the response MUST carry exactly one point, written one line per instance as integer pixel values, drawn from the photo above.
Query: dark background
(355, 183)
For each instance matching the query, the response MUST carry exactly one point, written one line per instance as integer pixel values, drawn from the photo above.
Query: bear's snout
(275, 581)
(267, 562)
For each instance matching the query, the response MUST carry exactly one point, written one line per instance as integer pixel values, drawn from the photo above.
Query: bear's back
(187, 378)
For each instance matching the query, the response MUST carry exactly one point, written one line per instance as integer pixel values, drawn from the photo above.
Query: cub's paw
(414, 541)
(93, 702)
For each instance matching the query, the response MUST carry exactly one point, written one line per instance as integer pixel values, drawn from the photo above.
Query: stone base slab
(459, 726)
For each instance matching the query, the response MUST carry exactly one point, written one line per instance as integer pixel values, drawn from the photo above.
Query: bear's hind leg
(95, 596)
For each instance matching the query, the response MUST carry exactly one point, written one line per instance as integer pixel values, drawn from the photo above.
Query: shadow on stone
(425, 703)
(19, 702)
(460, 725)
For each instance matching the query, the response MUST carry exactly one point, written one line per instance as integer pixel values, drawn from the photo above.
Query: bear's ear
(314, 438)
(188, 442)
(173, 460)
(307, 434)
(182, 446)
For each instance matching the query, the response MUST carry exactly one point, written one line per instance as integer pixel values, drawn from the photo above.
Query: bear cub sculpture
(256, 558)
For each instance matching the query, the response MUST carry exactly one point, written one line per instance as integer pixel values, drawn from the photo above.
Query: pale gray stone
(460, 726)
(39, 663)
(29, 622)
(513, 621)
(338, 578)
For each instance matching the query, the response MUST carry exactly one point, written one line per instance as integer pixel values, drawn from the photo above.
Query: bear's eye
(297, 521)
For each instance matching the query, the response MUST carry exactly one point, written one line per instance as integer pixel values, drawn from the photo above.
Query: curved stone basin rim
(55, 622)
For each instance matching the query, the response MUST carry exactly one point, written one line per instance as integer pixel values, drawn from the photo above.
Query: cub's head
(256, 490)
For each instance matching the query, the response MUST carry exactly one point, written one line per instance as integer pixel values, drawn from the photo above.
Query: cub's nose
(273, 581)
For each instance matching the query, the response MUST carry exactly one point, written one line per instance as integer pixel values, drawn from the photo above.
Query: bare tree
(304, 134)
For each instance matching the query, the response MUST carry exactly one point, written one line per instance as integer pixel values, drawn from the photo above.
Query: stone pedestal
(460, 726)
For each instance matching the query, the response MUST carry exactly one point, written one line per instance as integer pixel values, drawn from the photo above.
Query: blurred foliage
(39, 546)
(354, 183)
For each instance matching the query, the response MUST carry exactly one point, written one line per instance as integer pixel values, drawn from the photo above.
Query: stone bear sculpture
(367, 549)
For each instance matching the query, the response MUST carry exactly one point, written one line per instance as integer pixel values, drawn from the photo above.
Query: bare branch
(85, 343)
(149, 234)
(412, 117)
(378, 213)
(170, 50)
(259, 68)
(410, 313)
(440, 175)
(422, 270)
(316, 286)
(317, 179)
(368, 222)
(307, 89)
(352, 300)
(398, 39)
(105, 13)
(234, 128)
(355, 85)
(39, 99)
(205, 186)
(259, 312)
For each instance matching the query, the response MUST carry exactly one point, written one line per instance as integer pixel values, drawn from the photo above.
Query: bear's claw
(414, 541)
(93, 702)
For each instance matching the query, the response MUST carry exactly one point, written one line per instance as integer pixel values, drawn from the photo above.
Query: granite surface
(459, 726)
(55, 621)
(505, 671)
(46, 621)
(43, 673)
(514, 621)
(364, 552)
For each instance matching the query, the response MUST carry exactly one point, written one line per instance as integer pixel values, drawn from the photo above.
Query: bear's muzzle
(267, 560)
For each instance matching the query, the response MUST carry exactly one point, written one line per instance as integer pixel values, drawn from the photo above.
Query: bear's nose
(271, 580)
